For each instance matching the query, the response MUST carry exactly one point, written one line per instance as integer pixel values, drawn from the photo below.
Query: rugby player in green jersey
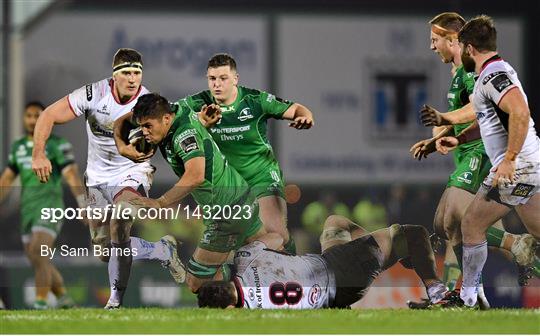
(225, 202)
(239, 128)
(471, 160)
(37, 232)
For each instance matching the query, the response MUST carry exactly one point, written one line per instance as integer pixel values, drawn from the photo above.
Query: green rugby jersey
(34, 194)
(241, 133)
(461, 88)
(188, 139)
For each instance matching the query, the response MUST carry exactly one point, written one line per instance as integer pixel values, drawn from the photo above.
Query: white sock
(474, 258)
(148, 250)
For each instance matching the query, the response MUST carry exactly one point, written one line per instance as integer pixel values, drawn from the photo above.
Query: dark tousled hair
(126, 55)
(151, 105)
(216, 294)
(222, 59)
(479, 32)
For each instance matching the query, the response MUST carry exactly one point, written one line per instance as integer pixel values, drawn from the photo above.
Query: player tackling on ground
(110, 177)
(337, 278)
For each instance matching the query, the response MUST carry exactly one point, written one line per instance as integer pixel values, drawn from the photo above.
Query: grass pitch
(237, 321)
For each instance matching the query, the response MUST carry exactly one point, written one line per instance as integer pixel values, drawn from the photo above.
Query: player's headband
(443, 32)
(129, 66)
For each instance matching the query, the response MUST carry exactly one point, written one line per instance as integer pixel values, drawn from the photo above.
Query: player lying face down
(340, 276)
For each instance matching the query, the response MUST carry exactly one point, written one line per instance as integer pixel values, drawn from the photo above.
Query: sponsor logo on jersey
(522, 190)
(480, 115)
(501, 82)
(236, 137)
(103, 110)
(189, 144)
(474, 163)
(258, 289)
(89, 92)
(227, 108)
(491, 76)
(186, 133)
(314, 295)
(465, 177)
(231, 129)
(245, 114)
(243, 254)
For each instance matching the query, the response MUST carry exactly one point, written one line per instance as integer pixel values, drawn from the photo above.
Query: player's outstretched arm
(447, 144)
(6, 180)
(58, 113)
(301, 116)
(423, 148)
(432, 117)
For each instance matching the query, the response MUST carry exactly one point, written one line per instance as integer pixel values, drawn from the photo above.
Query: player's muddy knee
(399, 241)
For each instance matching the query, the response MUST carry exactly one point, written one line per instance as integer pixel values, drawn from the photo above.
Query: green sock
(290, 247)
(451, 275)
(494, 236)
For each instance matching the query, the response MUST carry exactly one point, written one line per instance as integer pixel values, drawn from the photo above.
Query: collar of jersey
(111, 84)
(492, 59)
(232, 107)
(240, 293)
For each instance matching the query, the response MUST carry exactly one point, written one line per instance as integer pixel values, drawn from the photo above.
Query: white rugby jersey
(496, 79)
(274, 280)
(100, 108)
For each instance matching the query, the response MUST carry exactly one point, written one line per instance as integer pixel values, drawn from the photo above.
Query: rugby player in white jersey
(340, 276)
(508, 133)
(110, 177)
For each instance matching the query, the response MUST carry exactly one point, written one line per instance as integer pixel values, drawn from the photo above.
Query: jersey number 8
(291, 292)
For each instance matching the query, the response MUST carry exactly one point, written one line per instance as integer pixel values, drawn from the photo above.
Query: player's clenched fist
(210, 115)
(430, 116)
(42, 167)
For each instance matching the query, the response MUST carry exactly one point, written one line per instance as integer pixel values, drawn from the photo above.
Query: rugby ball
(136, 138)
